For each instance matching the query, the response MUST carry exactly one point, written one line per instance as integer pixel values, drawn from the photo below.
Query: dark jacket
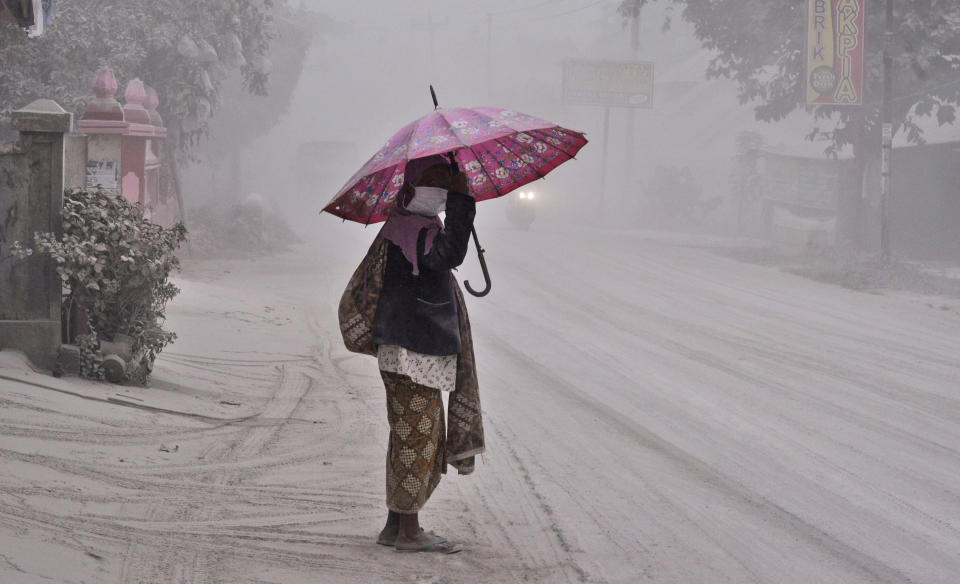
(419, 312)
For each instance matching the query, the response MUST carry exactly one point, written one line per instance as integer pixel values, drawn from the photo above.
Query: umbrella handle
(483, 266)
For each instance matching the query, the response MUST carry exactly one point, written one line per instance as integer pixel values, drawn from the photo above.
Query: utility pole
(430, 26)
(433, 58)
(490, 56)
(631, 111)
(887, 129)
(603, 161)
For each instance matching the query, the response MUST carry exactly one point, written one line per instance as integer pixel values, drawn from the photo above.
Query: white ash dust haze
(712, 350)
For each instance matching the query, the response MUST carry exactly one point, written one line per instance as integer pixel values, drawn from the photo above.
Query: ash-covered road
(654, 413)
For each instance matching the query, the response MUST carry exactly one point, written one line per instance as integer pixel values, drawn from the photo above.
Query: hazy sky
(370, 76)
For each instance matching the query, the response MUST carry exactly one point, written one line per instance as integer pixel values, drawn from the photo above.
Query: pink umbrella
(499, 150)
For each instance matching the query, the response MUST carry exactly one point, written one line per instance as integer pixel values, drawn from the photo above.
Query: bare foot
(388, 535)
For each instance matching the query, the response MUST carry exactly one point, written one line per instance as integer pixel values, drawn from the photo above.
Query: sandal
(437, 544)
(392, 541)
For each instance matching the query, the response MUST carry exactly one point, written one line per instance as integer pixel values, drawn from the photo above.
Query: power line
(546, 17)
(508, 10)
(927, 91)
(591, 5)
(522, 8)
(457, 18)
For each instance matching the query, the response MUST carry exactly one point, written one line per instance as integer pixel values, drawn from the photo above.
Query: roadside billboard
(834, 52)
(608, 83)
(811, 184)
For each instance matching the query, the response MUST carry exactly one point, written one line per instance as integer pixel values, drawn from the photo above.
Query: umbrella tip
(433, 94)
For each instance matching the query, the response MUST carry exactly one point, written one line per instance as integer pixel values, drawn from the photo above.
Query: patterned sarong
(415, 453)
(358, 305)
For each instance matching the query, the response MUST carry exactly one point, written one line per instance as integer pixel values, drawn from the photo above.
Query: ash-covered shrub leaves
(114, 265)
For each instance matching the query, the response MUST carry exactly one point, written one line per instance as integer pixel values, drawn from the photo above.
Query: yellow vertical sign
(835, 51)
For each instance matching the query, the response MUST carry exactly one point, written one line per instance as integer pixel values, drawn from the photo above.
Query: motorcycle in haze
(522, 209)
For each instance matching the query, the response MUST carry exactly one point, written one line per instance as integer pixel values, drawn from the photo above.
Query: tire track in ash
(294, 541)
(751, 504)
(174, 562)
(932, 416)
(163, 547)
(256, 546)
(123, 490)
(815, 533)
(287, 532)
(521, 519)
(544, 479)
(91, 432)
(842, 400)
(674, 346)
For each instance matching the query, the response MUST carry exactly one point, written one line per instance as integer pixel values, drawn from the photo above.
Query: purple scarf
(404, 229)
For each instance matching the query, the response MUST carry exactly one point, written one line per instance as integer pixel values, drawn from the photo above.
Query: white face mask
(428, 201)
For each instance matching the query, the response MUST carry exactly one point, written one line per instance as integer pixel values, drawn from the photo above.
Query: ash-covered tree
(190, 52)
(760, 45)
(182, 48)
(260, 113)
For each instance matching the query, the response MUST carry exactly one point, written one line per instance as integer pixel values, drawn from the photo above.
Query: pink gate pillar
(124, 143)
(153, 161)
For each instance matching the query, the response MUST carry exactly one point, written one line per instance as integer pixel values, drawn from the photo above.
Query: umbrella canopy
(499, 150)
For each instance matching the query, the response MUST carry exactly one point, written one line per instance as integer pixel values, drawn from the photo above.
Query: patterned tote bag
(359, 301)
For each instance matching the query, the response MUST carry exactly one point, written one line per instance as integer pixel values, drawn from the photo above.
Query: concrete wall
(924, 207)
(75, 170)
(31, 197)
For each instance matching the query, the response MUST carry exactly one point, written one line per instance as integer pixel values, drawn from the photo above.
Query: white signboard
(608, 83)
(103, 173)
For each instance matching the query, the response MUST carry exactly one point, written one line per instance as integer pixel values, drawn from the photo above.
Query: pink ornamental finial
(135, 93)
(152, 100)
(133, 111)
(151, 103)
(105, 84)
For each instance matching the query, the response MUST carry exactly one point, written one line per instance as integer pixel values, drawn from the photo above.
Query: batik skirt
(416, 450)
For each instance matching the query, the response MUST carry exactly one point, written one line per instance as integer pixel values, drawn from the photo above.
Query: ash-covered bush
(114, 265)
(247, 228)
